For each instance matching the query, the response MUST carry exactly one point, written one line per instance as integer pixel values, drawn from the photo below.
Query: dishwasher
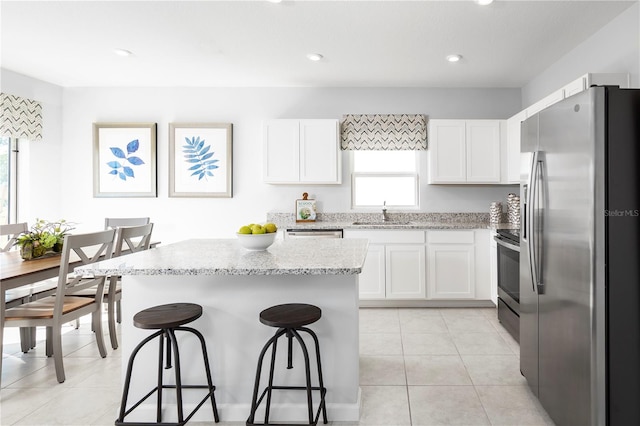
(293, 233)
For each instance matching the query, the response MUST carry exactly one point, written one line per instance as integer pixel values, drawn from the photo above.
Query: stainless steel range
(508, 242)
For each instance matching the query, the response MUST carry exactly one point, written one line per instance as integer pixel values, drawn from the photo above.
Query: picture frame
(305, 209)
(124, 160)
(201, 160)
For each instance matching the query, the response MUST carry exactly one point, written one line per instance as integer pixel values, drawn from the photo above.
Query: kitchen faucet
(385, 218)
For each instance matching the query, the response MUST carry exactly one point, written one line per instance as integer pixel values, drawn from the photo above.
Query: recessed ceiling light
(454, 58)
(484, 2)
(122, 52)
(274, 1)
(314, 57)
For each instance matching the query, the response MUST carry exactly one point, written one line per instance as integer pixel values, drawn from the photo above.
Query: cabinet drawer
(387, 236)
(451, 237)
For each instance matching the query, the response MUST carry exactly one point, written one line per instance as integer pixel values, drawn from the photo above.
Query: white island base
(234, 336)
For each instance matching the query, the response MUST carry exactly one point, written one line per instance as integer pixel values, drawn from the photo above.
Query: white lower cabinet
(493, 267)
(372, 279)
(395, 264)
(405, 271)
(404, 265)
(451, 264)
(458, 262)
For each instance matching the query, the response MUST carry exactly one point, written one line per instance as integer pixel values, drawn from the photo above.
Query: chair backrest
(90, 247)
(12, 230)
(129, 235)
(116, 222)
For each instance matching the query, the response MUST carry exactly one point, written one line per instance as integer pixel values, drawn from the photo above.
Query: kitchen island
(233, 285)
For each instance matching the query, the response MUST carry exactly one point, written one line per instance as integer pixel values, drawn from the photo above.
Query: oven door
(509, 274)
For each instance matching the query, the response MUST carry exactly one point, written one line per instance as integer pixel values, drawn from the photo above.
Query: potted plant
(59, 229)
(42, 236)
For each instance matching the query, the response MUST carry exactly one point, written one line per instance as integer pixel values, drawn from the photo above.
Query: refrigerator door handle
(532, 185)
(537, 222)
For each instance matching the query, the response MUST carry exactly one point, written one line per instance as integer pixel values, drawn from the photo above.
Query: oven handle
(503, 243)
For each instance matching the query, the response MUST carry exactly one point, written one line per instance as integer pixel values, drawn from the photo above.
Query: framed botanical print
(124, 160)
(200, 160)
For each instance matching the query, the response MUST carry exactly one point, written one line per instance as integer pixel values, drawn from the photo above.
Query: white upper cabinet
(576, 86)
(464, 151)
(513, 147)
(281, 140)
(301, 151)
(319, 151)
(447, 151)
(483, 151)
(548, 100)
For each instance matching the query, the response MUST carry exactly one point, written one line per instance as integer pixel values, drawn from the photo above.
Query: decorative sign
(305, 209)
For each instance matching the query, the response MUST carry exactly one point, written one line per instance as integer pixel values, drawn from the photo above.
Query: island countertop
(227, 257)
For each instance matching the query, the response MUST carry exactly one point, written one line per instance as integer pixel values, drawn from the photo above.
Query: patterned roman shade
(390, 132)
(21, 118)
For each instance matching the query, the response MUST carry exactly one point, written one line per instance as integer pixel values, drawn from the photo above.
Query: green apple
(257, 229)
(244, 230)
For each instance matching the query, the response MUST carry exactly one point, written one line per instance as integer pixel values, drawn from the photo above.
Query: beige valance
(390, 132)
(21, 118)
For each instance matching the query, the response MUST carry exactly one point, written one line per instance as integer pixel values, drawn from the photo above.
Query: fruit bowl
(256, 242)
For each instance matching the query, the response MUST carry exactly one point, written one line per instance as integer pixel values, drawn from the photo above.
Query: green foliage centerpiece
(43, 236)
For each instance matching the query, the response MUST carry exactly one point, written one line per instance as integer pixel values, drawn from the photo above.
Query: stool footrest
(323, 392)
(154, 390)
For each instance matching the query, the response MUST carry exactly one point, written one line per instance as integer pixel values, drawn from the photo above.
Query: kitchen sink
(389, 223)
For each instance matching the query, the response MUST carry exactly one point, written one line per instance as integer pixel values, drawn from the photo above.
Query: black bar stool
(290, 319)
(167, 319)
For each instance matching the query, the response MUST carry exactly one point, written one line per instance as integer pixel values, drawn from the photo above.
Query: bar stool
(290, 319)
(168, 319)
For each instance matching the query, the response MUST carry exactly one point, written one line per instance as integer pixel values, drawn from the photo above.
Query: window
(8, 177)
(380, 176)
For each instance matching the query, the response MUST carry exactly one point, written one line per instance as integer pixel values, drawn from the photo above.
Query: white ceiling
(257, 43)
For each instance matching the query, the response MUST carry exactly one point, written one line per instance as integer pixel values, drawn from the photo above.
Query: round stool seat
(167, 316)
(290, 315)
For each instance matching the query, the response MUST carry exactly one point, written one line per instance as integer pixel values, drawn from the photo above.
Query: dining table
(17, 273)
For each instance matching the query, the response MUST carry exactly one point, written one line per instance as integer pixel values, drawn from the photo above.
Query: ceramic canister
(513, 209)
(495, 212)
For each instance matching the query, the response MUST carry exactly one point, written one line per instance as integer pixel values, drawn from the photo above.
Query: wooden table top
(15, 272)
(12, 265)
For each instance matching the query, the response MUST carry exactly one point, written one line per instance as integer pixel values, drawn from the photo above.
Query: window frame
(415, 175)
(12, 182)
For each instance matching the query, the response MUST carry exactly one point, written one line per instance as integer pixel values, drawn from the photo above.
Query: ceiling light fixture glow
(454, 58)
(122, 52)
(274, 1)
(314, 57)
(484, 2)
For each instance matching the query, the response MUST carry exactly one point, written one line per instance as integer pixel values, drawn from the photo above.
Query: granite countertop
(397, 225)
(227, 257)
(397, 220)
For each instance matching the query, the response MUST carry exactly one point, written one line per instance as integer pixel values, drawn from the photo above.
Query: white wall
(178, 218)
(614, 48)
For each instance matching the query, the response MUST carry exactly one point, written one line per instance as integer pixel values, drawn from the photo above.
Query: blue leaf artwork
(196, 153)
(123, 171)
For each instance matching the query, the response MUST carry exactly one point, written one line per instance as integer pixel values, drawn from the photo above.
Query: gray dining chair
(130, 239)
(54, 311)
(12, 230)
(116, 222)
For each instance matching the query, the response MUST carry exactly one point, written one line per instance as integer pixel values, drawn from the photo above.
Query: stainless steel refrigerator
(580, 258)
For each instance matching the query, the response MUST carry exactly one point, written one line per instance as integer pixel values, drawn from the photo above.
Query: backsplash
(393, 216)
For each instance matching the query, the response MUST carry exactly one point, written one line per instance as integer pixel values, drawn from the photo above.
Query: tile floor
(417, 367)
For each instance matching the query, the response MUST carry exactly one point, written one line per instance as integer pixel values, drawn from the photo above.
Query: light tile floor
(418, 366)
